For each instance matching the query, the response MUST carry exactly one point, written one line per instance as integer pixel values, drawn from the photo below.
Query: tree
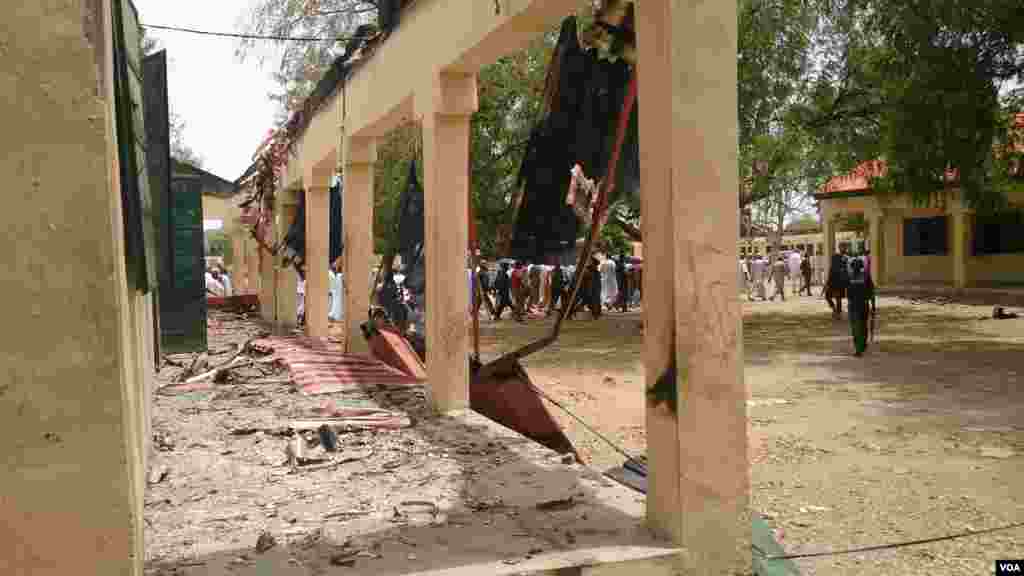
(774, 53)
(921, 84)
(217, 243)
(303, 63)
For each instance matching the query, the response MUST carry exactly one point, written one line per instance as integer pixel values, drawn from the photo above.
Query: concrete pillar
(317, 252)
(268, 289)
(252, 263)
(693, 58)
(360, 156)
(828, 228)
(237, 267)
(450, 103)
(664, 510)
(960, 247)
(876, 230)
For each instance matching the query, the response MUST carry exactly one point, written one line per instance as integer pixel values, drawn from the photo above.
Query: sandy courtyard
(922, 437)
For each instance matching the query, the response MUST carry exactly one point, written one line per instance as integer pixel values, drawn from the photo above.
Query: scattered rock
(265, 542)
(997, 452)
(158, 474)
(562, 504)
(345, 558)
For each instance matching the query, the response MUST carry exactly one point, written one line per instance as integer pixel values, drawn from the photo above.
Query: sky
(223, 101)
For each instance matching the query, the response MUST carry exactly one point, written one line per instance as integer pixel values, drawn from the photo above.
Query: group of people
(335, 294)
(541, 289)
(849, 277)
(218, 281)
(757, 273)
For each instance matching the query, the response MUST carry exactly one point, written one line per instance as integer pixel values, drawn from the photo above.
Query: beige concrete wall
(72, 392)
(217, 208)
(900, 269)
(996, 269)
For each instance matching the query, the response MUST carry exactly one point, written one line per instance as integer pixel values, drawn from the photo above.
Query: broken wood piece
(345, 514)
(355, 423)
(314, 464)
(199, 361)
(236, 363)
(561, 504)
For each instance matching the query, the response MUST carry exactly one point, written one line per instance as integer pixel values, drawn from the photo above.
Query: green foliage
(917, 83)
(217, 243)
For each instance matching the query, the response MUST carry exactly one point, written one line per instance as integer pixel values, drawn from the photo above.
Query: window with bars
(926, 236)
(1001, 233)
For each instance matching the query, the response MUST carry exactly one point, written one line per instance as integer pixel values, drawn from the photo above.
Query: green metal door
(183, 299)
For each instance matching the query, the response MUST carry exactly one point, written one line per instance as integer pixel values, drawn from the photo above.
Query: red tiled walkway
(321, 367)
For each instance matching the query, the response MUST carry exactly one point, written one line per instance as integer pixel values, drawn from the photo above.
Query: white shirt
(337, 309)
(213, 286)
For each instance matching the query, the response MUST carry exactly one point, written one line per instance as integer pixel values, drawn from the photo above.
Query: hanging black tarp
(337, 242)
(295, 240)
(585, 95)
(410, 232)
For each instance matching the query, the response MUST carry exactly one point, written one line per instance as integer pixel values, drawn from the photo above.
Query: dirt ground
(922, 437)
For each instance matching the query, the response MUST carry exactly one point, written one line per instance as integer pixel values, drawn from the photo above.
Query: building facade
(937, 243)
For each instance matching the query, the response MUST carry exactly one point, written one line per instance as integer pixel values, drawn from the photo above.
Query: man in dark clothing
(557, 286)
(862, 306)
(589, 294)
(503, 286)
(621, 279)
(805, 271)
(835, 287)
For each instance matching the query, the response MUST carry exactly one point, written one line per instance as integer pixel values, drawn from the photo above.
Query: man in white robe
(757, 270)
(609, 284)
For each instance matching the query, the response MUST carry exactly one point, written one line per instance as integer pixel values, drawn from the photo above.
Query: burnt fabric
(410, 232)
(337, 243)
(585, 98)
(295, 239)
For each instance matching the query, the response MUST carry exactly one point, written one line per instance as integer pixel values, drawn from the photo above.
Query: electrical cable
(765, 556)
(890, 546)
(254, 36)
(589, 428)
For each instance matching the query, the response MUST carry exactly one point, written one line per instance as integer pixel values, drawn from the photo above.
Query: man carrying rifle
(861, 304)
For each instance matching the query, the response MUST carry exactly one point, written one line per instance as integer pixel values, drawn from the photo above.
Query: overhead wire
(254, 36)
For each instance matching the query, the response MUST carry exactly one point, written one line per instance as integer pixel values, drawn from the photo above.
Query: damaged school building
(83, 280)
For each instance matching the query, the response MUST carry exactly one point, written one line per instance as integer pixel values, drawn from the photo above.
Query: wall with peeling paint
(75, 345)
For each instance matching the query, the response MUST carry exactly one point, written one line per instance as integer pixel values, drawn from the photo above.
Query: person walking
(806, 271)
(836, 285)
(862, 305)
(778, 276)
(503, 287)
(557, 287)
(757, 271)
(744, 275)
